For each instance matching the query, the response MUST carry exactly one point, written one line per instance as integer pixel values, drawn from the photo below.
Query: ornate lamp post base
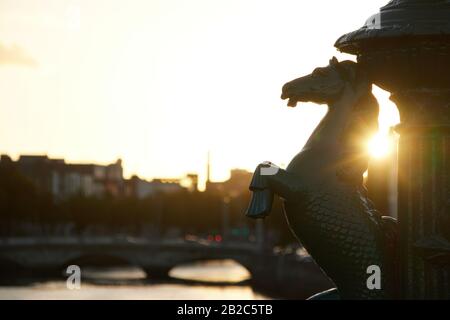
(424, 178)
(405, 49)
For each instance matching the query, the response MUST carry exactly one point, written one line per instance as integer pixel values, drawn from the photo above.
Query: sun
(380, 145)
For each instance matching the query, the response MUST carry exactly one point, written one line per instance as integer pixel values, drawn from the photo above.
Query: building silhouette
(140, 188)
(237, 183)
(64, 180)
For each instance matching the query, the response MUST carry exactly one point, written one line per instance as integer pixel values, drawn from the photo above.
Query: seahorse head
(327, 85)
(324, 85)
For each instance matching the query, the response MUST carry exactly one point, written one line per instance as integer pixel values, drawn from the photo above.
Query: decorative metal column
(406, 50)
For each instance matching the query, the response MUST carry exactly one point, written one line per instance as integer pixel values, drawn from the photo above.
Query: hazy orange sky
(160, 82)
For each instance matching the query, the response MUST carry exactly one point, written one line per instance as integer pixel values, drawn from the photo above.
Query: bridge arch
(99, 260)
(155, 258)
(108, 268)
(176, 271)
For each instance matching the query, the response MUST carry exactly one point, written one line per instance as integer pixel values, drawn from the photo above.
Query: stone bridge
(156, 258)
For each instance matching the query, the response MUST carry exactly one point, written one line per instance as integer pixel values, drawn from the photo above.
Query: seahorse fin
(262, 196)
(260, 204)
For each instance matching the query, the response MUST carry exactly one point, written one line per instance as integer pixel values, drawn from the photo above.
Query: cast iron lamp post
(405, 49)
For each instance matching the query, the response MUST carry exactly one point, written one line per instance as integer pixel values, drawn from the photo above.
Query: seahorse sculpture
(325, 202)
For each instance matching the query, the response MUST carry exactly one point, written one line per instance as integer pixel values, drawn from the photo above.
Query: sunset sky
(158, 83)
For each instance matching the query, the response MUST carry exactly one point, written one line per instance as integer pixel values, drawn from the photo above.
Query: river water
(217, 280)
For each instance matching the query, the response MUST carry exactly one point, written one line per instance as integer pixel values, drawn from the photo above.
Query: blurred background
(128, 133)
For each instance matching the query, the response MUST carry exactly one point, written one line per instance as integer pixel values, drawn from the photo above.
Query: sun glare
(379, 146)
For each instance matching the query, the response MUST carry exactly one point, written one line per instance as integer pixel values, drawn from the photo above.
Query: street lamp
(405, 49)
